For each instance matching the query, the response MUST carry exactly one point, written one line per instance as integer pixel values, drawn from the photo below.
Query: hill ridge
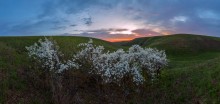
(178, 43)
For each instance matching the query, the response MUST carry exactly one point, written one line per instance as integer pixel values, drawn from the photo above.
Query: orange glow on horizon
(166, 33)
(119, 39)
(131, 37)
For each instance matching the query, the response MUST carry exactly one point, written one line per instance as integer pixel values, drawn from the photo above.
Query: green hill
(14, 60)
(191, 77)
(193, 72)
(179, 44)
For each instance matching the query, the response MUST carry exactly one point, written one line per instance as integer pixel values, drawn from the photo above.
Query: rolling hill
(193, 72)
(178, 44)
(191, 77)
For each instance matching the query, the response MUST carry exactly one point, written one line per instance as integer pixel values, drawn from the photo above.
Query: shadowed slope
(179, 43)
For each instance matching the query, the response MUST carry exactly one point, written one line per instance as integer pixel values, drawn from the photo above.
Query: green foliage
(191, 77)
(195, 83)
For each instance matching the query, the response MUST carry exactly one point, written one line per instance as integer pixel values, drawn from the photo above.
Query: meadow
(192, 74)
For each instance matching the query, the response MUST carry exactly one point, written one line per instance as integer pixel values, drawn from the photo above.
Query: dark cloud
(58, 28)
(107, 35)
(106, 30)
(73, 25)
(117, 30)
(146, 32)
(88, 21)
(97, 31)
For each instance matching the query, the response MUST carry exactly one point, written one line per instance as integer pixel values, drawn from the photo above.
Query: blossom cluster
(89, 51)
(47, 53)
(111, 66)
(149, 59)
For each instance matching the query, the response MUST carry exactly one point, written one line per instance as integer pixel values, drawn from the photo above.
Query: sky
(111, 20)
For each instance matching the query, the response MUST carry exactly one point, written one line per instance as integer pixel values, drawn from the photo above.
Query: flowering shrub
(123, 68)
(113, 67)
(151, 60)
(88, 54)
(47, 53)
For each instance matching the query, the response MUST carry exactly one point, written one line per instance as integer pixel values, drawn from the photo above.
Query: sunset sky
(112, 20)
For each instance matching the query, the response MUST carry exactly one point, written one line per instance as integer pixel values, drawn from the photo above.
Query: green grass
(14, 59)
(180, 44)
(198, 82)
(193, 74)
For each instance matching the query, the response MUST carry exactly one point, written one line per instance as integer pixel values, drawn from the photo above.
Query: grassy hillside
(14, 60)
(179, 44)
(195, 82)
(193, 72)
(191, 77)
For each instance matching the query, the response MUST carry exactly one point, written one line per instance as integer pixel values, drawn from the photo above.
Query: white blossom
(113, 67)
(150, 59)
(89, 52)
(47, 52)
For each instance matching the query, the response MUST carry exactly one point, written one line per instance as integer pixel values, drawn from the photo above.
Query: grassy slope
(192, 75)
(193, 72)
(13, 58)
(179, 44)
